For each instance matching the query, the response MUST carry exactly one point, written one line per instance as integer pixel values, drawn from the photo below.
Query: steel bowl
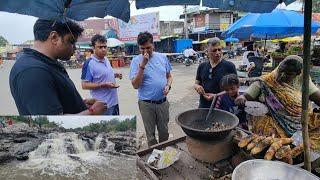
(193, 123)
(259, 169)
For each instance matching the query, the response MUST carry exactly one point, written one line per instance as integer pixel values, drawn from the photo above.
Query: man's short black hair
(144, 37)
(42, 28)
(98, 38)
(229, 80)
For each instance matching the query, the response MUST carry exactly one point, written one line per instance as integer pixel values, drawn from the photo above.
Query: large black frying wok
(193, 123)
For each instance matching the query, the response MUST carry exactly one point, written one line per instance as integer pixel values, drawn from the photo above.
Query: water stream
(66, 156)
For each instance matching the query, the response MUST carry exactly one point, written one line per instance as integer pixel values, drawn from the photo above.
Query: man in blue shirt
(150, 74)
(99, 78)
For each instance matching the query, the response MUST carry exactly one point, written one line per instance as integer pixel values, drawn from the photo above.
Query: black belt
(156, 102)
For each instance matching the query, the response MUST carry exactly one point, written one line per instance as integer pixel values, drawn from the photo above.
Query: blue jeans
(112, 111)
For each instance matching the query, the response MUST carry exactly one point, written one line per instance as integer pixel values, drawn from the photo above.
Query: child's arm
(217, 104)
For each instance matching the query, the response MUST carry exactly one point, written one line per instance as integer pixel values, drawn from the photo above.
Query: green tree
(3, 41)
(316, 6)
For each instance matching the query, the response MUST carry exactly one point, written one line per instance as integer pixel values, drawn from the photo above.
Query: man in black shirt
(39, 84)
(209, 74)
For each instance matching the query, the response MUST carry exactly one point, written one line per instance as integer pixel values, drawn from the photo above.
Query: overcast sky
(81, 121)
(18, 28)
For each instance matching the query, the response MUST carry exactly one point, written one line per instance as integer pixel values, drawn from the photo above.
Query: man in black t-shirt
(209, 74)
(39, 84)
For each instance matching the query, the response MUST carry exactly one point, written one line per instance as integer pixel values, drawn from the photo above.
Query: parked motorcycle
(179, 59)
(187, 61)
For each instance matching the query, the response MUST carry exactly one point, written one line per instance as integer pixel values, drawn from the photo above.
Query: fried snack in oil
(262, 145)
(245, 141)
(253, 143)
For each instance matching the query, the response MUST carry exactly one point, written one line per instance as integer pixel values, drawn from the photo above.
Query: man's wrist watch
(169, 86)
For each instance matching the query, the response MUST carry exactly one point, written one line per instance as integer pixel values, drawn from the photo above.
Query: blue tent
(279, 23)
(73, 9)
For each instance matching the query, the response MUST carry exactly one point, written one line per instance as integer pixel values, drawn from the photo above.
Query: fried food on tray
(262, 145)
(279, 148)
(296, 151)
(288, 159)
(272, 150)
(245, 141)
(285, 141)
(283, 152)
(253, 143)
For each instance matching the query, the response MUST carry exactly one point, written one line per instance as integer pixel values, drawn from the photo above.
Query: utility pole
(185, 22)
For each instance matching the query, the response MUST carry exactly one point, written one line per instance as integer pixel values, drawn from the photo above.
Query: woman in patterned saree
(280, 91)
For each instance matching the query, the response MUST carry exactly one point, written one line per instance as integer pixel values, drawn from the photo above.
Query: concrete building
(204, 22)
(169, 28)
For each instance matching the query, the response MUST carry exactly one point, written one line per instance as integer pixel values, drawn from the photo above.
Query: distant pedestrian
(1, 62)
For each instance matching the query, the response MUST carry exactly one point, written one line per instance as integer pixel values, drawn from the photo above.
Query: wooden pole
(305, 83)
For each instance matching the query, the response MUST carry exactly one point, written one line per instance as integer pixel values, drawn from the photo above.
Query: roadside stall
(214, 148)
(116, 52)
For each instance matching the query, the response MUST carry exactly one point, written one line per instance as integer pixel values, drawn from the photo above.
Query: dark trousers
(155, 116)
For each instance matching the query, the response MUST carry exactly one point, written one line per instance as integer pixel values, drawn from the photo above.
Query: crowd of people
(40, 85)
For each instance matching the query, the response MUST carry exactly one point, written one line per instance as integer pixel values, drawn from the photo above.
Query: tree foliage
(108, 126)
(3, 41)
(316, 6)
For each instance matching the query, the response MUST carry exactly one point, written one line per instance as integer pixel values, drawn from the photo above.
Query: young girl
(225, 101)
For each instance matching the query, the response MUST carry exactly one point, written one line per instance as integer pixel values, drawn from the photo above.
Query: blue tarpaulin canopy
(140, 4)
(279, 23)
(73, 9)
(254, 6)
(231, 39)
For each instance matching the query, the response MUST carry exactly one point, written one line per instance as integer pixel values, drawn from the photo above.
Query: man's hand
(118, 75)
(199, 89)
(89, 102)
(209, 96)
(109, 85)
(98, 108)
(166, 90)
(145, 60)
(240, 100)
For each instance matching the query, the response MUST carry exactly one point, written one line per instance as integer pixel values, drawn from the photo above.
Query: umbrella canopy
(231, 39)
(279, 23)
(245, 24)
(156, 3)
(73, 9)
(112, 42)
(254, 6)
